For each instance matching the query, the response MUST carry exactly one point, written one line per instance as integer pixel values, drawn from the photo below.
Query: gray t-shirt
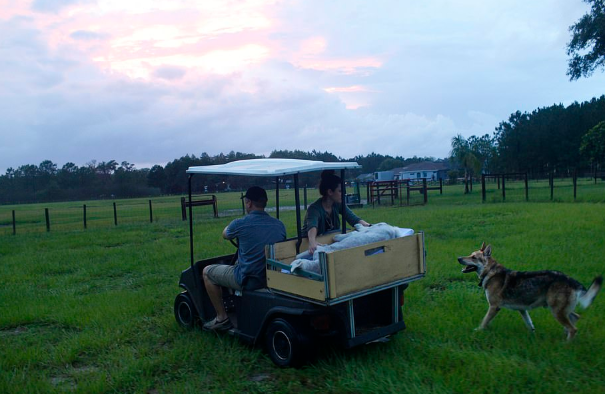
(254, 231)
(317, 216)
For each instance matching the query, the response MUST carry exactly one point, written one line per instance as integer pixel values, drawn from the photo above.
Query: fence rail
(496, 188)
(514, 187)
(68, 216)
(61, 216)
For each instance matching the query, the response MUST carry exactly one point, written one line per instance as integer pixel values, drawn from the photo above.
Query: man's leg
(215, 292)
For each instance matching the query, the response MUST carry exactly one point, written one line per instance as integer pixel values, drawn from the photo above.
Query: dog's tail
(586, 299)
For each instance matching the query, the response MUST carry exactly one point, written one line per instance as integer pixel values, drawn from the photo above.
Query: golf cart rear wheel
(184, 311)
(285, 344)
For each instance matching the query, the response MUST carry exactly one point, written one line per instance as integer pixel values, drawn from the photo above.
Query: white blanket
(362, 236)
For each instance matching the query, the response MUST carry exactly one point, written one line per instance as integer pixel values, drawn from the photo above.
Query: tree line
(110, 179)
(555, 139)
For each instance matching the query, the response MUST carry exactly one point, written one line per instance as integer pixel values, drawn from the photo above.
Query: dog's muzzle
(467, 268)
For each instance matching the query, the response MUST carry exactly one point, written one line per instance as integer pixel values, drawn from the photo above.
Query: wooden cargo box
(350, 272)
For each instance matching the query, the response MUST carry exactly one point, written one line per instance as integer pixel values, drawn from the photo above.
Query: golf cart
(356, 298)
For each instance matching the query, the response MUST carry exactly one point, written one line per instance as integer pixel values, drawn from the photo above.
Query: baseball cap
(256, 193)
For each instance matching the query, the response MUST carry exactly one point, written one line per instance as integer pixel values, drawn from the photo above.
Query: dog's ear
(488, 251)
(482, 247)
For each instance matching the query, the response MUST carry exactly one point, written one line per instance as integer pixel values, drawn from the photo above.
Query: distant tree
(593, 143)
(47, 172)
(88, 181)
(47, 167)
(176, 172)
(29, 175)
(371, 162)
(389, 163)
(68, 176)
(104, 170)
(587, 45)
(157, 178)
(463, 155)
(484, 149)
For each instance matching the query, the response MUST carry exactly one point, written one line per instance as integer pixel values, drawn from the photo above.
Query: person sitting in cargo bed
(253, 231)
(324, 214)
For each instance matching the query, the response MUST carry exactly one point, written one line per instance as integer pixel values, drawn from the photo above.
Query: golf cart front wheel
(184, 311)
(284, 344)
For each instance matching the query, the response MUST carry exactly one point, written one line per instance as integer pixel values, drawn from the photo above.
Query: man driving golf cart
(253, 231)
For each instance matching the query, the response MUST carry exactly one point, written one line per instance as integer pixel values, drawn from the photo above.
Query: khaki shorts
(223, 275)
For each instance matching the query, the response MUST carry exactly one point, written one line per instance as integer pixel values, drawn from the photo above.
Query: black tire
(286, 345)
(184, 311)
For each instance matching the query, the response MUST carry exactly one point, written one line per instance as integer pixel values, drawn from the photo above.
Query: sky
(148, 81)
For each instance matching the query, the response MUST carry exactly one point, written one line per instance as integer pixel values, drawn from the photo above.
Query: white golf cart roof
(270, 167)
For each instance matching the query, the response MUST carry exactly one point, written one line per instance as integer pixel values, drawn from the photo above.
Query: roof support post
(277, 196)
(343, 199)
(298, 221)
(190, 220)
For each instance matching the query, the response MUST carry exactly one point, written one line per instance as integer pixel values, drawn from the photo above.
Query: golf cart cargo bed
(351, 272)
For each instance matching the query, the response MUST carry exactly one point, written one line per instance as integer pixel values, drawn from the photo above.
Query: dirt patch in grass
(13, 331)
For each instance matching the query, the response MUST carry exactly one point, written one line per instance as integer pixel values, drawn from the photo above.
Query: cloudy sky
(148, 81)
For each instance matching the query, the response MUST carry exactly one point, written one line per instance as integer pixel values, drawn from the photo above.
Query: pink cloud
(347, 89)
(343, 66)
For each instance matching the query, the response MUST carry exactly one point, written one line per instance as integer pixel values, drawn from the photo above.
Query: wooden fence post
(503, 188)
(150, 213)
(399, 185)
(183, 209)
(84, 213)
(424, 190)
(115, 214)
(551, 179)
(441, 186)
(14, 224)
(47, 219)
(575, 183)
(483, 187)
(526, 188)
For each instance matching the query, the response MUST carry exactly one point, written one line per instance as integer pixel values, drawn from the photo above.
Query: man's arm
(225, 233)
(312, 234)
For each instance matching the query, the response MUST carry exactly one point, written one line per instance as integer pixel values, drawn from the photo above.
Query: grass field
(91, 311)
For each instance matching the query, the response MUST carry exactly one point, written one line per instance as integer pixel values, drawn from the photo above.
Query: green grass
(91, 311)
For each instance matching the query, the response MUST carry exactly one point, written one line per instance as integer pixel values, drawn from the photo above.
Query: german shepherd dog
(522, 291)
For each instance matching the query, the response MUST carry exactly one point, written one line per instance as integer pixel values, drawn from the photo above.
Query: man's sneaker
(215, 325)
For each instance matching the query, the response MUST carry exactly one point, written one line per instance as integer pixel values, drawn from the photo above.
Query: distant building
(380, 176)
(426, 169)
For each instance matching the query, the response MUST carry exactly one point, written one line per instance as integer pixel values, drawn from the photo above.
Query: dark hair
(329, 181)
